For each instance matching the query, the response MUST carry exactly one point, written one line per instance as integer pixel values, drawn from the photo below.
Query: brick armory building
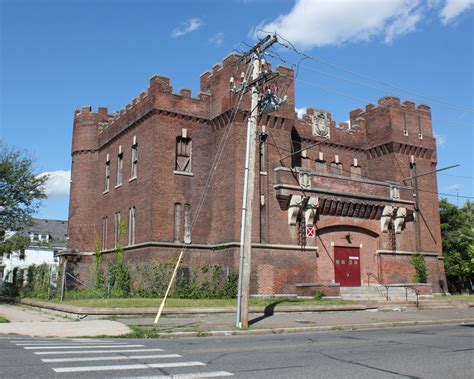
(147, 166)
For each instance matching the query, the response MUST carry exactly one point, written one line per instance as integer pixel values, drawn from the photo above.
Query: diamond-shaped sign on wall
(310, 231)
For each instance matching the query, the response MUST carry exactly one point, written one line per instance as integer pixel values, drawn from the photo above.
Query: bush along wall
(419, 263)
(203, 282)
(118, 280)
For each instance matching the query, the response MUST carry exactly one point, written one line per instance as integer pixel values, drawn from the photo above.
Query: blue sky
(57, 56)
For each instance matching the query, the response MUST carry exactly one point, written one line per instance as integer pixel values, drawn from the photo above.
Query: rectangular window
(177, 221)
(336, 168)
(107, 174)
(131, 226)
(263, 165)
(116, 228)
(120, 167)
(104, 232)
(187, 223)
(183, 154)
(133, 172)
(356, 171)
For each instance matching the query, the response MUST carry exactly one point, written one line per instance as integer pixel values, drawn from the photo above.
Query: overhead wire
(217, 158)
(290, 46)
(358, 99)
(360, 176)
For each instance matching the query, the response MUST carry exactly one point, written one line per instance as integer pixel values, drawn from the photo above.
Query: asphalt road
(413, 352)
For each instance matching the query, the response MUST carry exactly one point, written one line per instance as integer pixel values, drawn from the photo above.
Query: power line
(358, 99)
(360, 176)
(290, 46)
(459, 176)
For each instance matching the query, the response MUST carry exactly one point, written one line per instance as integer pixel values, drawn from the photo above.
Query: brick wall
(382, 138)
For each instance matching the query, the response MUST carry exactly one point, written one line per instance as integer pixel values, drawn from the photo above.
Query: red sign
(310, 231)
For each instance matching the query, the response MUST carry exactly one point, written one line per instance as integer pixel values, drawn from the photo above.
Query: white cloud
(300, 112)
(453, 8)
(217, 39)
(440, 139)
(318, 22)
(58, 183)
(189, 26)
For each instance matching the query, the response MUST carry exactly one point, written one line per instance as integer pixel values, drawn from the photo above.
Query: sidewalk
(32, 322)
(224, 324)
(36, 323)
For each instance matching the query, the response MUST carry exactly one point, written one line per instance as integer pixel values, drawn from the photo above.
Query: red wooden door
(347, 266)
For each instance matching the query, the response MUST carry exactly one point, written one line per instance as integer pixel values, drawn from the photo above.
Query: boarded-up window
(107, 175)
(116, 228)
(177, 221)
(187, 223)
(336, 168)
(356, 171)
(263, 164)
(131, 225)
(183, 154)
(120, 169)
(133, 172)
(104, 233)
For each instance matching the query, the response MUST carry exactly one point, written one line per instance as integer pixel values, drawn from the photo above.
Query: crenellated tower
(83, 193)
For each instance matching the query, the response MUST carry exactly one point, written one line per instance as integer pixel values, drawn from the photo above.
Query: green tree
(457, 231)
(21, 192)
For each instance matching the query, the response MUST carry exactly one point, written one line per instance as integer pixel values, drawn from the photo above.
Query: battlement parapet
(87, 110)
(393, 102)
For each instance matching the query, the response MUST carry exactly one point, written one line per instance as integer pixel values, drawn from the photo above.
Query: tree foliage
(457, 230)
(21, 192)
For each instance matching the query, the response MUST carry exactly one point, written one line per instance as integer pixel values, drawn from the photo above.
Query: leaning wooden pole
(158, 315)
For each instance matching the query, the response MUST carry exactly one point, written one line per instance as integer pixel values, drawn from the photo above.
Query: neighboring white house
(48, 237)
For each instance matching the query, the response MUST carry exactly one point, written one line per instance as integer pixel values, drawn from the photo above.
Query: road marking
(97, 351)
(196, 375)
(112, 358)
(75, 347)
(65, 343)
(128, 367)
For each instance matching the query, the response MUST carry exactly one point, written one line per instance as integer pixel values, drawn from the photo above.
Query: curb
(378, 325)
(71, 309)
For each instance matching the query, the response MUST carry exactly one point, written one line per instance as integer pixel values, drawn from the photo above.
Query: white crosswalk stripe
(112, 358)
(67, 343)
(96, 351)
(74, 347)
(128, 367)
(82, 354)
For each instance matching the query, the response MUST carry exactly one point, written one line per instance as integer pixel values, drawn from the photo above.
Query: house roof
(57, 230)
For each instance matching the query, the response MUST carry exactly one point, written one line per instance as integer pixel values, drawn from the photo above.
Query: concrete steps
(377, 293)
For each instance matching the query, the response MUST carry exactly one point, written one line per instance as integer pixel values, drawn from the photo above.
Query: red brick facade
(350, 185)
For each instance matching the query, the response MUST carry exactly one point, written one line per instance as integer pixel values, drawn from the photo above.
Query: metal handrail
(416, 293)
(387, 286)
(371, 274)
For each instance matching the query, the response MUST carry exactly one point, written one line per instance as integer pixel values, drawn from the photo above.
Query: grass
(135, 302)
(3, 319)
(469, 298)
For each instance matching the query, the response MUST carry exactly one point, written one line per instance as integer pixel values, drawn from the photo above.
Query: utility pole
(257, 79)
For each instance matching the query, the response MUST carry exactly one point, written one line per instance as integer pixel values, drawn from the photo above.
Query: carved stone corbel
(399, 220)
(311, 210)
(386, 218)
(294, 208)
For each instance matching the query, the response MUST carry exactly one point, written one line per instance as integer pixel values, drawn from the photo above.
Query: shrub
(419, 263)
(318, 295)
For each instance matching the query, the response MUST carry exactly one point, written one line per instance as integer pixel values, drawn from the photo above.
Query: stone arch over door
(329, 237)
